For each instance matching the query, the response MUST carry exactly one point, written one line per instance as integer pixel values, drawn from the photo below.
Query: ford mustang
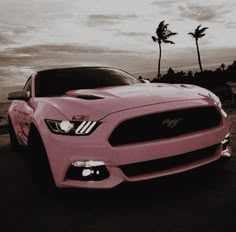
(96, 127)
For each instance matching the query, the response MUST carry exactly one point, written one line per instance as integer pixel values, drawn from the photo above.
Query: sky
(40, 34)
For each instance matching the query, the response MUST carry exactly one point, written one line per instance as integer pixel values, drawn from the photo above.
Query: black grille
(136, 169)
(165, 125)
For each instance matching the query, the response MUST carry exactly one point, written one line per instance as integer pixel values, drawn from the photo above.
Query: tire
(14, 144)
(39, 164)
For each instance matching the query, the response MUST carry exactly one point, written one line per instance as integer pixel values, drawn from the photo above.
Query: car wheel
(40, 167)
(14, 144)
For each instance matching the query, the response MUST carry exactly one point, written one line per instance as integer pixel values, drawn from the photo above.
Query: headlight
(72, 127)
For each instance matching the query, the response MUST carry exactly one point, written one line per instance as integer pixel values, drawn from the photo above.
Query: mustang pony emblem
(171, 123)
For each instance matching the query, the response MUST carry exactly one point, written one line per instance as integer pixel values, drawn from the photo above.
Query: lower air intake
(158, 165)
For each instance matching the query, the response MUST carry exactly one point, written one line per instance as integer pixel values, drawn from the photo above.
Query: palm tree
(197, 34)
(162, 36)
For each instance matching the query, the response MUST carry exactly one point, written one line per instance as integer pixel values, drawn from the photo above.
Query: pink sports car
(96, 127)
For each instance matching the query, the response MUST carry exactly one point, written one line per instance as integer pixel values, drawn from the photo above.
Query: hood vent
(89, 97)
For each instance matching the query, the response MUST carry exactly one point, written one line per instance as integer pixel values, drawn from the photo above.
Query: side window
(27, 87)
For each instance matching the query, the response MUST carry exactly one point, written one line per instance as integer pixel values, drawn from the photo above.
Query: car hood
(98, 103)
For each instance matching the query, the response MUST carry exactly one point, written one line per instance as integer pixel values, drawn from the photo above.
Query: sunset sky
(39, 34)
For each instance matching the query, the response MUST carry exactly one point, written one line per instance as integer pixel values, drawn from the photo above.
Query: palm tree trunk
(159, 63)
(198, 55)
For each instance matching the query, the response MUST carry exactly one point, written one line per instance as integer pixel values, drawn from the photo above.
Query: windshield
(58, 82)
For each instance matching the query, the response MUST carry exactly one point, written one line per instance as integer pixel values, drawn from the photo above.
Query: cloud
(11, 34)
(36, 50)
(231, 24)
(16, 29)
(166, 9)
(44, 54)
(8, 33)
(165, 3)
(99, 19)
(5, 39)
(202, 13)
(133, 34)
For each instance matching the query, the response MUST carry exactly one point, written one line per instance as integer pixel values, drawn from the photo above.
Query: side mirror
(18, 95)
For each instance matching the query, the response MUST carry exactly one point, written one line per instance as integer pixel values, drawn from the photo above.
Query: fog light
(89, 163)
(226, 153)
(225, 142)
(87, 171)
(226, 149)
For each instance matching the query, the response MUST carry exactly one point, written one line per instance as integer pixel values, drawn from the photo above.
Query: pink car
(96, 127)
